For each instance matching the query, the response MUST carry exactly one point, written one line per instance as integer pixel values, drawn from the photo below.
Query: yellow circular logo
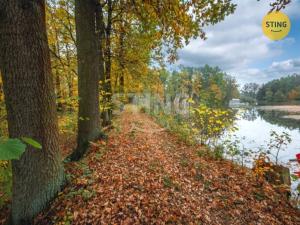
(276, 25)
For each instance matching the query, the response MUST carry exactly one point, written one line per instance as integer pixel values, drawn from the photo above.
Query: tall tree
(107, 112)
(167, 24)
(30, 104)
(88, 75)
(60, 20)
(249, 92)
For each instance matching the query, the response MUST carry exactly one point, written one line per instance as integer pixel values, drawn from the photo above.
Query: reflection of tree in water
(249, 114)
(275, 117)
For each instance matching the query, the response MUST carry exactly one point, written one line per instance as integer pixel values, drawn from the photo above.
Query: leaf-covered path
(146, 175)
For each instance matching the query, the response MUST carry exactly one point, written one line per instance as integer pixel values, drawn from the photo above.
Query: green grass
(5, 183)
(169, 183)
(184, 161)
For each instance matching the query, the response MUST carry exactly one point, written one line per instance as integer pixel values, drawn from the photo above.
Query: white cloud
(286, 66)
(238, 42)
(274, 71)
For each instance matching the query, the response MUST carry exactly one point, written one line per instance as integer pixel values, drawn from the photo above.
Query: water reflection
(276, 118)
(249, 114)
(254, 128)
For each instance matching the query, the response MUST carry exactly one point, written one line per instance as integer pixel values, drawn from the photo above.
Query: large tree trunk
(88, 76)
(30, 104)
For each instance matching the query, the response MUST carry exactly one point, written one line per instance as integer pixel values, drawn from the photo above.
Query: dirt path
(145, 175)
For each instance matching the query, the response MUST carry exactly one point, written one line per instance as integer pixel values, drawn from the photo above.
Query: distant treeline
(285, 89)
(205, 85)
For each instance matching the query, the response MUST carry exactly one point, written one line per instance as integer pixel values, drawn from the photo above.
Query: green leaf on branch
(31, 142)
(11, 149)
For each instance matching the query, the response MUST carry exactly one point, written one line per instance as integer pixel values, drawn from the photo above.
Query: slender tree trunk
(122, 59)
(88, 76)
(71, 86)
(151, 103)
(100, 25)
(122, 81)
(70, 81)
(117, 83)
(58, 92)
(1, 92)
(172, 100)
(101, 35)
(107, 114)
(30, 104)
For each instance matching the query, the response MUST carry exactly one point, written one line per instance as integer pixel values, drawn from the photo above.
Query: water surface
(254, 128)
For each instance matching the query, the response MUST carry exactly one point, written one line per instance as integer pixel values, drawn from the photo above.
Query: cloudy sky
(238, 46)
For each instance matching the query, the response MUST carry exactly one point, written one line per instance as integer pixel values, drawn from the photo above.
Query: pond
(254, 128)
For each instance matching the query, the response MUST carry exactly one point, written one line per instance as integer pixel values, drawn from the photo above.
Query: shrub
(278, 142)
(211, 123)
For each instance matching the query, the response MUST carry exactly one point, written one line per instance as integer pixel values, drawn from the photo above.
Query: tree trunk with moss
(30, 103)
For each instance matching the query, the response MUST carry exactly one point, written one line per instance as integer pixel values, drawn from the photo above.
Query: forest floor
(144, 174)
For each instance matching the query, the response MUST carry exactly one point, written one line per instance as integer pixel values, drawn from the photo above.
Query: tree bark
(30, 103)
(107, 114)
(1, 91)
(122, 60)
(100, 25)
(88, 76)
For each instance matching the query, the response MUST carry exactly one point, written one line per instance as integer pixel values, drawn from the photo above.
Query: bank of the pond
(145, 174)
(284, 108)
(255, 126)
(292, 111)
(251, 138)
